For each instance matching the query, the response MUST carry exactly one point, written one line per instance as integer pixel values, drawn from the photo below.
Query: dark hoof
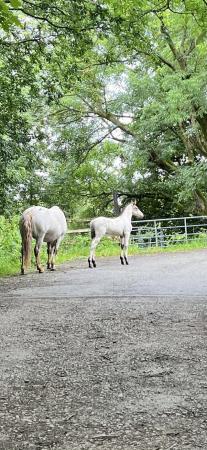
(48, 267)
(126, 261)
(22, 272)
(52, 269)
(89, 264)
(94, 263)
(122, 260)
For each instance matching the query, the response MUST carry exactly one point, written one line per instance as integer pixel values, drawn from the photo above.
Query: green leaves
(15, 3)
(104, 96)
(7, 17)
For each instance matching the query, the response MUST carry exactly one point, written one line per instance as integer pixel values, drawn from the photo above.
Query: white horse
(118, 226)
(44, 225)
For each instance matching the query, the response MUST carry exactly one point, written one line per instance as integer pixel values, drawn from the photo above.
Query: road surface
(110, 358)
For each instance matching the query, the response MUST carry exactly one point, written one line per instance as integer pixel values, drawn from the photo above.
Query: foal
(118, 226)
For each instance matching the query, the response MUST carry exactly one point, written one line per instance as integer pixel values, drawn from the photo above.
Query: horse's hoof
(89, 264)
(41, 270)
(122, 260)
(94, 263)
(53, 269)
(48, 267)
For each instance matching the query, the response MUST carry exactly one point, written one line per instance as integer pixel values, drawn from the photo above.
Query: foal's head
(136, 211)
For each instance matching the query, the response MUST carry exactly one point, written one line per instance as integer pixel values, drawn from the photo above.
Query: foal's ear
(134, 202)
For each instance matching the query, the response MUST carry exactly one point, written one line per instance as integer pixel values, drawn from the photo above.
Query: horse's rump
(93, 233)
(44, 225)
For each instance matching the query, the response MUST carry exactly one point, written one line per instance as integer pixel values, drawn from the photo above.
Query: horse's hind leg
(49, 255)
(55, 246)
(37, 255)
(126, 245)
(54, 251)
(91, 259)
(22, 260)
(122, 250)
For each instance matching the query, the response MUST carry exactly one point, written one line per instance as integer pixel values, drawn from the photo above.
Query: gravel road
(110, 358)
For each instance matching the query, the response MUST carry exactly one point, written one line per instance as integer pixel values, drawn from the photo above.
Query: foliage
(103, 100)
(154, 75)
(9, 245)
(7, 17)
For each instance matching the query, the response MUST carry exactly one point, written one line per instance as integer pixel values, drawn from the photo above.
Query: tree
(69, 59)
(32, 80)
(160, 53)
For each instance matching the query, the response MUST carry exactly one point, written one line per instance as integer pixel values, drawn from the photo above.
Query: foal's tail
(93, 233)
(26, 233)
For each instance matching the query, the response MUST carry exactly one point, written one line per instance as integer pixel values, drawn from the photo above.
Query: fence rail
(79, 231)
(162, 232)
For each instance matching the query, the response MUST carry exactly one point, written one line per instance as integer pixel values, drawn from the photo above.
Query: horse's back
(34, 211)
(107, 225)
(58, 217)
(47, 222)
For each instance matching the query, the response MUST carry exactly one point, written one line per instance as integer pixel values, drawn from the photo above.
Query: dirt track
(110, 358)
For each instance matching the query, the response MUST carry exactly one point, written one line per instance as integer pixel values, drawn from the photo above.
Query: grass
(9, 246)
(75, 247)
(79, 248)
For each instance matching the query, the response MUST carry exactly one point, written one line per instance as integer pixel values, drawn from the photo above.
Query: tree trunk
(116, 208)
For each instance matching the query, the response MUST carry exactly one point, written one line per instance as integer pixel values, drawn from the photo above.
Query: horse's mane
(126, 206)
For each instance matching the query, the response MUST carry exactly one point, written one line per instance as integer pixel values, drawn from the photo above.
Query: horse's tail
(26, 233)
(93, 233)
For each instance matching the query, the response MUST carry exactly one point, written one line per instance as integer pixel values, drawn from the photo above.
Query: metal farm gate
(164, 232)
(157, 232)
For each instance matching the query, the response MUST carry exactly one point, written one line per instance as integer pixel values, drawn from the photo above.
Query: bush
(10, 245)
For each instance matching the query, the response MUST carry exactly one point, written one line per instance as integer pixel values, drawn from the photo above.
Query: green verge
(75, 247)
(78, 248)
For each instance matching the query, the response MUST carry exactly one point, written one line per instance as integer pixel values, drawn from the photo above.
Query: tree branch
(177, 55)
(108, 116)
(94, 144)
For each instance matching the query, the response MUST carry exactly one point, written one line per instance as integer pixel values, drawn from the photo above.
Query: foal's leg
(91, 258)
(49, 255)
(126, 245)
(122, 250)
(37, 248)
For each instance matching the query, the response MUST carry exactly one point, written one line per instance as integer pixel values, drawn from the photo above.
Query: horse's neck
(127, 213)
